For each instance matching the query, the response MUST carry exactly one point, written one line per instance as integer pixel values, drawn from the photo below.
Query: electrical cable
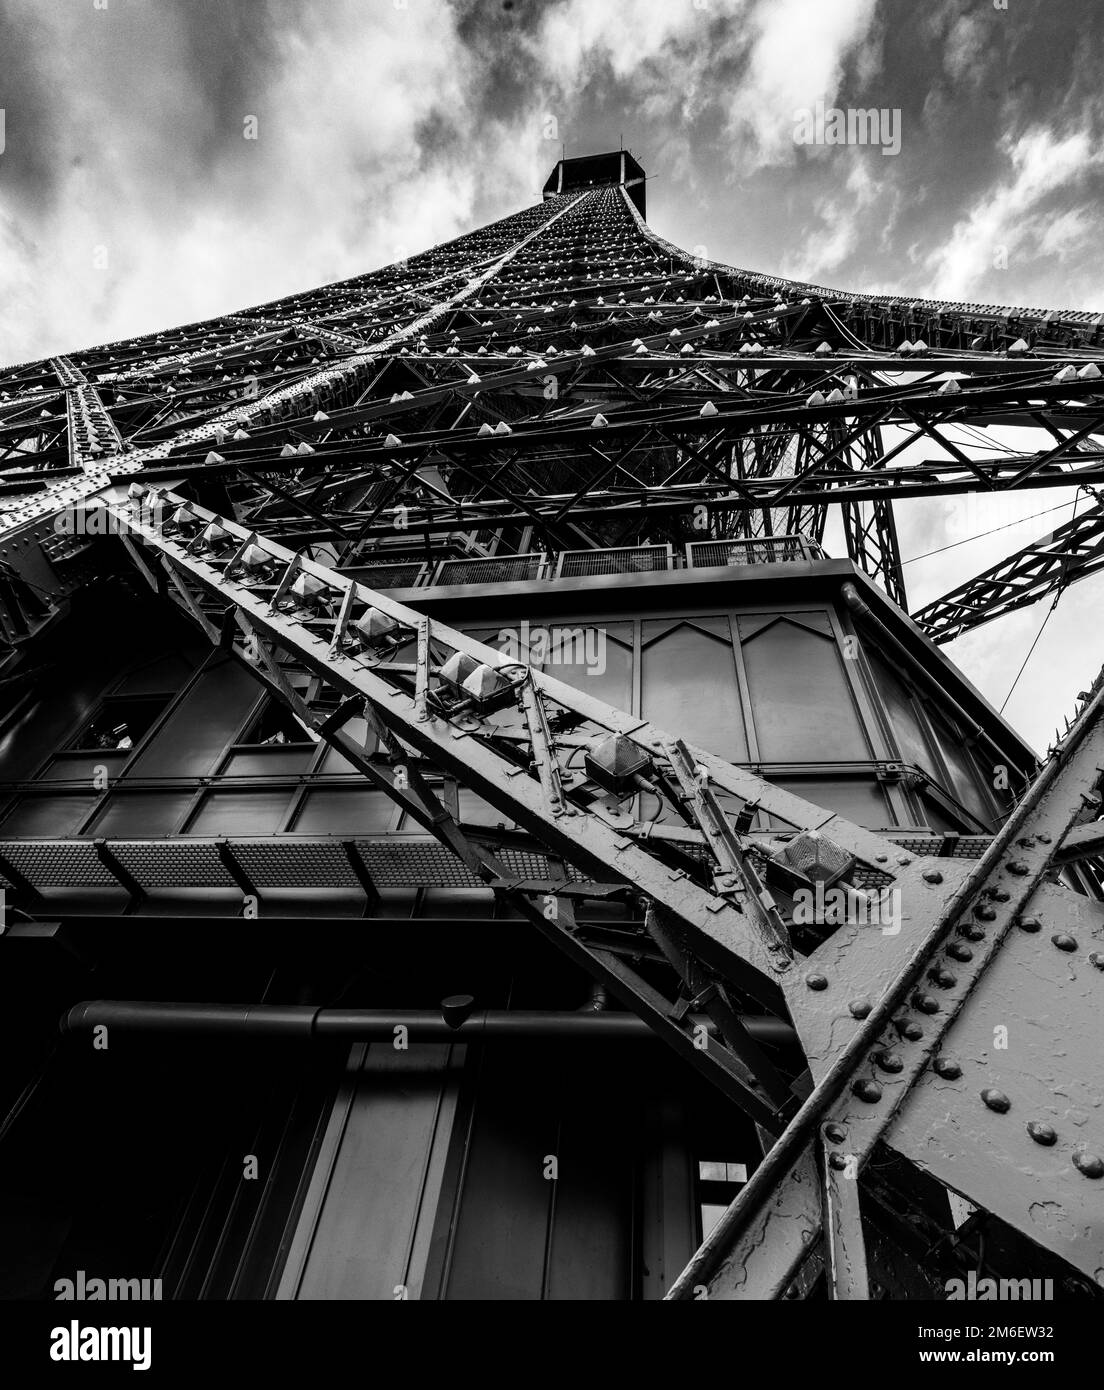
(1006, 527)
(1034, 644)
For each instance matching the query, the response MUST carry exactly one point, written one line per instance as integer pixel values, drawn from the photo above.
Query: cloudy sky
(130, 198)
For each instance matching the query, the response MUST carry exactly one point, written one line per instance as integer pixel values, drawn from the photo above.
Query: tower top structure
(616, 169)
(473, 521)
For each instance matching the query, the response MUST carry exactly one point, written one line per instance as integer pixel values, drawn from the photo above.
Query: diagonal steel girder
(780, 323)
(759, 371)
(714, 901)
(426, 516)
(887, 1067)
(727, 926)
(1073, 551)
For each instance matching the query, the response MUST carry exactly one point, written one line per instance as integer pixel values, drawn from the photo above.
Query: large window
(689, 684)
(120, 723)
(157, 751)
(928, 741)
(803, 706)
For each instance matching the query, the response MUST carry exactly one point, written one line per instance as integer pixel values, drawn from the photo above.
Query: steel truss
(882, 1017)
(622, 369)
(565, 379)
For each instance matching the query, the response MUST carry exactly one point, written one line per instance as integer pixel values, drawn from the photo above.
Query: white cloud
(845, 221)
(1002, 223)
(797, 58)
(340, 179)
(1058, 236)
(581, 38)
(966, 44)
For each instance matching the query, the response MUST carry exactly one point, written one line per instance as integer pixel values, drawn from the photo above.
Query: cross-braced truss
(566, 379)
(563, 382)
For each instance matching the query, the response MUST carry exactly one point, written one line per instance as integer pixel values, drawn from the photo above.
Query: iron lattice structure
(566, 391)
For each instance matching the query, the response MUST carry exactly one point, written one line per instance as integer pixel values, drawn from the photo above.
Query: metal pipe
(303, 1022)
(597, 1000)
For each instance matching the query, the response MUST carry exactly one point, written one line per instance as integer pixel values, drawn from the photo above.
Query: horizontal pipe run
(302, 1021)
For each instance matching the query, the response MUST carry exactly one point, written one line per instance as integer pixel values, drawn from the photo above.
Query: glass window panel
(240, 813)
(937, 818)
(801, 702)
(854, 798)
(964, 785)
(475, 811)
(275, 726)
(502, 639)
(268, 762)
(201, 726)
(689, 687)
(817, 619)
(595, 660)
(48, 815)
(711, 1213)
(121, 722)
(345, 812)
(167, 675)
(987, 765)
(334, 762)
(142, 813)
(712, 1172)
(903, 717)
(73, 767)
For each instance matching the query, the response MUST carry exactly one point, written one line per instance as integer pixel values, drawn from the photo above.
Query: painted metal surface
(1032, 1031)
(753, 403)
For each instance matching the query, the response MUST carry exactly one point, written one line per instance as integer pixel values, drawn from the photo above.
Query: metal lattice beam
(567, 379)
(1075, 550)
(293, 616)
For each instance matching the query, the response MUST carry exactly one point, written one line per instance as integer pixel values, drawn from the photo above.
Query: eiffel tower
(478, 843)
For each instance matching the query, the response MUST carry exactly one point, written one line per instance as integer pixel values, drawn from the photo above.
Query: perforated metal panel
(766, 550)
(58, 863)
(632, 560)
(173, 863)
(527, 865)
(289, 861)
(504, 570)
(407, 576)
(952, 847)
(295, 864)
(401, 863)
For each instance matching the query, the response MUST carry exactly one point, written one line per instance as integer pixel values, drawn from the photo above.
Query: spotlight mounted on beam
(465, 683)
(618, 765)
(808, 859)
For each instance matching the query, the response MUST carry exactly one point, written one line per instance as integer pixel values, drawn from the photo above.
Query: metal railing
(579, 564)
(635, 559)
(503, 569)
(762, 550)
(399, 575)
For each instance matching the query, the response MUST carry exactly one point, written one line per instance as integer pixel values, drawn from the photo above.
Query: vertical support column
(367, 1220)
(669, 1227)
(843, 1235)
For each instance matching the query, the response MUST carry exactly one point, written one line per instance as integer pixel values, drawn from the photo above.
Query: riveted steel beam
(876, 1046)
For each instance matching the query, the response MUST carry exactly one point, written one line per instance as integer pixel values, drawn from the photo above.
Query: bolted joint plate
(1033, 1033)
(780, 1237)
(828, 993)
